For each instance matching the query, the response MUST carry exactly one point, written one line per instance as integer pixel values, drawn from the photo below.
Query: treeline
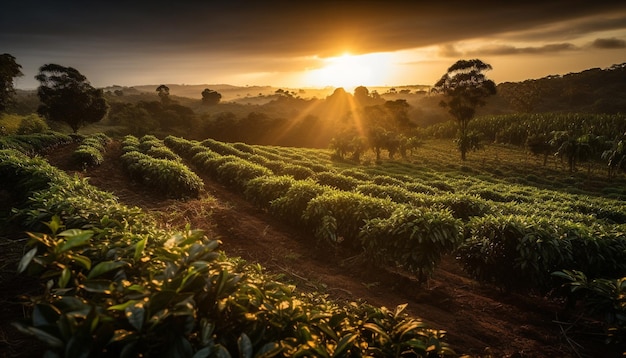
(591, 91)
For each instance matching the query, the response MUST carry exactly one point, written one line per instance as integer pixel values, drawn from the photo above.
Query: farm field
(513, 311)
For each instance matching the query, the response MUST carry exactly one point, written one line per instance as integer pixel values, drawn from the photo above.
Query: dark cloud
(271, 35)
(290, 28)
(611, 43)
(512, 50)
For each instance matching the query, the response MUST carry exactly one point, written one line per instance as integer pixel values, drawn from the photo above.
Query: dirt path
(479, 320)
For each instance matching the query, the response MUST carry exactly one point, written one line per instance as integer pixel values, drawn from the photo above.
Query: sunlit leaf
(139, 247)
(83, 261)
(345, 343)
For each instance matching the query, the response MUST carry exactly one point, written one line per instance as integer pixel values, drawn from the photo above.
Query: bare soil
(480, 320)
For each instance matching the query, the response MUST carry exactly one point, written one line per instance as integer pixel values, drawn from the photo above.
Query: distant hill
(591, 91)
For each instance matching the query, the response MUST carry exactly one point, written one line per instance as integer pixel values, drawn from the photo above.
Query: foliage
(291, 206)
(67, 96)
(34, 143)
(237, 173)
(210, 97)
(414, 239)
(32, 124)
(337, 217)
(465, 87)
(90, 151)
(603, 297)
(263, 190)
(171, 177)
(335, 180)
(9, 69)
(125, 288)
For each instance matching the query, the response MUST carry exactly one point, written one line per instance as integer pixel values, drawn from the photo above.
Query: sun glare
(349, 71)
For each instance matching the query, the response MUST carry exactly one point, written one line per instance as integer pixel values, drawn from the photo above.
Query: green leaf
(26, 259)
(104, 267)
(83, 261)
(55, 224)
(269, 350)
(97, 286)
(75, 238)
(139, 247)
(45, 315)
(66, 274)
(45, 337)
(202, 353)
(136, 315)
(344, 344)
(245, 346)
(122, 306)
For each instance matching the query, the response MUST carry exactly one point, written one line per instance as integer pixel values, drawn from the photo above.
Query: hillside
(477, 317)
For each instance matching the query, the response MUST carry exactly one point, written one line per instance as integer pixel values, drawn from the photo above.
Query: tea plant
(120, 288)
(414, 239)
(91, 149)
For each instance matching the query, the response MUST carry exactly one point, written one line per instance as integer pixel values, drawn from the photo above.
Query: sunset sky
(299, 44)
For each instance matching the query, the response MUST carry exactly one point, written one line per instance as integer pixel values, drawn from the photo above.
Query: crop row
(34, 143)
(337, 217)
(91, 149)
(118, 286)
(354, 209)
(170, 176)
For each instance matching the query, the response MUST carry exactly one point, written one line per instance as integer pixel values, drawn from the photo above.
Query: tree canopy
(211, 97)
(9, 69)
(465, 88)
(164, 93)
(67, 96)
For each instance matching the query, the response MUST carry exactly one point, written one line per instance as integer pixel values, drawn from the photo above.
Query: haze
(313, 44)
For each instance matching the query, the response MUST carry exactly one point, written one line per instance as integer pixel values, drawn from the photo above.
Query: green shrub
(32, 124)
(172, 178)
(237, 173)
(291, 206)
(414, 239)
(263, 190)
(335, 180)
(337, 216)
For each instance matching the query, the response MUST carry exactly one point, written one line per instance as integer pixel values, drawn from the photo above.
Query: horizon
(301, 45)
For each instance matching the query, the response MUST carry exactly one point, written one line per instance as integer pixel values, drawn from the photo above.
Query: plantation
(117, 281)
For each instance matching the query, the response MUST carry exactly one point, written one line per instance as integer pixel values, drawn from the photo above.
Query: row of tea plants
(114, 284)
(514, 236)
(91, 150)
(149, 162)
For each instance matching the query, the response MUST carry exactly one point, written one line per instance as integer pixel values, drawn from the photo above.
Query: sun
(348, 71)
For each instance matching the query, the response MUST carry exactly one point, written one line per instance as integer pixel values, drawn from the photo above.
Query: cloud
(325, 28)
(611, 43)
(504, 50)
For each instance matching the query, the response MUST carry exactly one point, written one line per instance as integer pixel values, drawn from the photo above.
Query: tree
(465, 88)
(9, 69)
(67, 96)
(164, 93)
(211, 97)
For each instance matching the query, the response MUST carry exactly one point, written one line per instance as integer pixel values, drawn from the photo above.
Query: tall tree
(67, 96)
(164, 93)
(9, 69)
(211, 97)
(465, 88)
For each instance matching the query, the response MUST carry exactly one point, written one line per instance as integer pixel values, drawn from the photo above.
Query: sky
(299, 44)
